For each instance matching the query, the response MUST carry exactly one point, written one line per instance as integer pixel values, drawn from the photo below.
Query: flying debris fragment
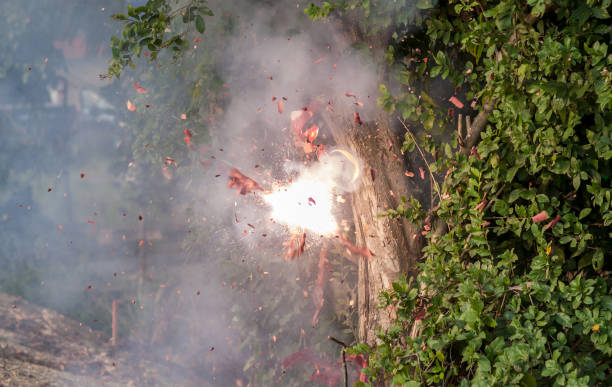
(296, 246)
(455, 101)
(318, 293)
(311, 134)
(362, 251)
(243, 183)
(139, 88)
(542, 216)
(188, 135)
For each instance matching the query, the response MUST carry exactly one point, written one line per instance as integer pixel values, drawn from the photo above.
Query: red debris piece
(373, 174)
(455, 101)
(357, 119)
(188, 135)
(481, 205)
(325, 371)
(350, 95)
(359, 362)
(139, 88)
(552, 222)
(542, 216)
(318, 292)
(311, 134)
(280, 107)
(82, 175)
(362, 251)
(474, 152)
(298, 122)
(420, 314)
(296, 246)
(244, 183)
(422, 172)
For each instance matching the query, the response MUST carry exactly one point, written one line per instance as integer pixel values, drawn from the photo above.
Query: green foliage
(145, 28)
(315, 12)
(373, 17)
(412, 211)
(511, 299)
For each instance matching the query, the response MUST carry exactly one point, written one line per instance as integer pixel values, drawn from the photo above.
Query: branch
(475, 128)
(343, 358)
(435, 183)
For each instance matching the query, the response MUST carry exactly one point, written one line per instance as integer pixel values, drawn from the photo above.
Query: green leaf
(584, 213)
(598, 259)
(199, 22)
(528, 381)
(564, 319)
(514, 195)
(576, 182)
(435, 71)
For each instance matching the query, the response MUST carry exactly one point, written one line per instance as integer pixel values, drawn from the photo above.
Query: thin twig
(423, 156)
(499, 191)
(343, 354)
(526, 286)
(332, 338)
(114, 327)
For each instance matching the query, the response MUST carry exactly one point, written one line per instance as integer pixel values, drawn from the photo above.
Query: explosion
(307, 202)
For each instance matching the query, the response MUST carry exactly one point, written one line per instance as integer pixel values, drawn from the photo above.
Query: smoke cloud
(91, 213)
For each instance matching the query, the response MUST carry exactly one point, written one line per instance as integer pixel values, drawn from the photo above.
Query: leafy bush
(145, 27)
(515, 290)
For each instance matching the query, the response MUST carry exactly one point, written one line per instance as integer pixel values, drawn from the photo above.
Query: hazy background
(99, 203)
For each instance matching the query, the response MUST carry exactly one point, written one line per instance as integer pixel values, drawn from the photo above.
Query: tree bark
(396, 244)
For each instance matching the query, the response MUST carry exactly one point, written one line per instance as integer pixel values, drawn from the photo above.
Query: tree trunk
(396, 244)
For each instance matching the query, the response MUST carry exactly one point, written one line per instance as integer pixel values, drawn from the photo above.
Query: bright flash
(305, 203)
